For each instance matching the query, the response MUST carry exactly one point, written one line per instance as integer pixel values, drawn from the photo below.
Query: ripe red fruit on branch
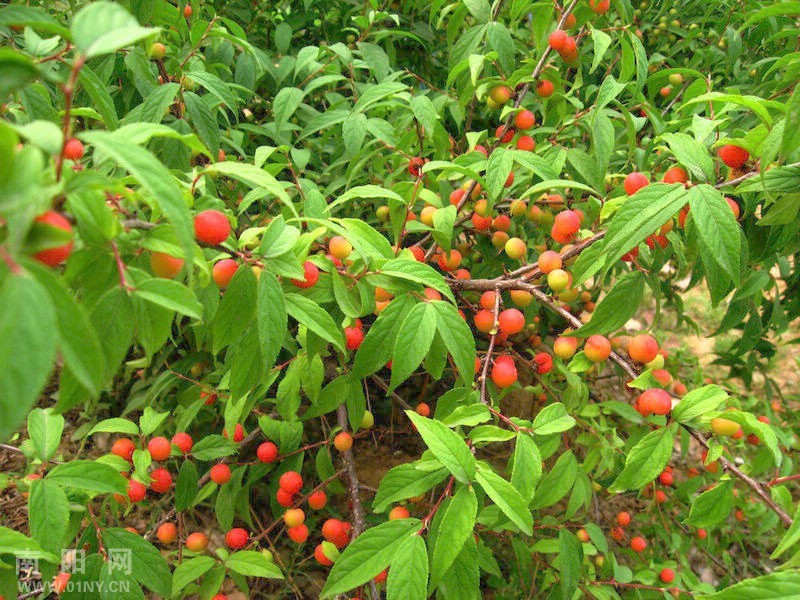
(267, 452)
(545, 88)
(515, 248)
(484, 320)
(343, 441)
(320, 557)
(733, 156)
(569, 51)
(353, 337)
(317, 500)
(159, 448)
(54, 256)
(544, 362)
(164, 265)
(526, 142)
(643, 348)
(565, 347)
(597, 348)
(339, 247)
(284, 498)
(506, 137)
(291, 481)
(449, 261)
(549, 260)
(398, 512)
(311, 275)
(557, 39)
(675, 175)
(415, 166)
(167, 533)
(623, 518)
(123, 448)
(634, 182)
(60, 582)
(654, 401)
(136, 491)
(237, 538)
(504, 371)
(488, 299)
(298, 534)
(220, 474)
(638, 544)
(73, 149)
(524, 119)
(423, 409)
(666, 478)
(500, 94)
(211, 227)
(187, 10)
(667, 575)
(161, 480)
(599, 7)
(223, 271)
(582, 535)
(197, 542)
(183, 441)
(511, 321)
(568, 222)
(336, 531)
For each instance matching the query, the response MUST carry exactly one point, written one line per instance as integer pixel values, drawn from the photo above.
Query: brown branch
(490, 349)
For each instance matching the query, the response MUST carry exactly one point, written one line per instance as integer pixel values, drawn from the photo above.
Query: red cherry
(220, 474)
(136, 491)
(223, 271)
(544, 362)
(161, 481)
(567, 222)
(504, 372)
(123, 448)
(284, 498)
(353, 337)
(511, 321)
(54, 256)
(238, 433)
(526, 142)
(545, 88)
(319, 555)
(557, 39)
(298, 534)
(666, 478)
(267, 452)
(398, 512)
(524, 119)
(423, 409)
(311, 275)
(638, 544)
(317, 500)
(291, 481)
(623, 518)
(73, 149)
(183, 441)
(654, 401)
(159, 448)
(164, 265)
(237, 538)
(211, 227)
(733, 156)
(634, 182)
(667, 575)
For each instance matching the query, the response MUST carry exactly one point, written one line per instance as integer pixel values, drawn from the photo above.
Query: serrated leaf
(719, 232)
(413, 342)
(447, 446)
(454, 528)
(506, 497)
(617, 306)
(712, 506)
(645, 461)
(698, 403)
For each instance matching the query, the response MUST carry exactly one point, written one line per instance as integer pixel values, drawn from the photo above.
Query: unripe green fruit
(558, 280)
(656, 363)
(382, 213)
(188, 84)
(515, 248)
(675, 79)
(368, 420)
(157, 51)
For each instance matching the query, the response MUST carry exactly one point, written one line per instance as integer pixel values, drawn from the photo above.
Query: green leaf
(148, 567)
(151, 420)
(506, 497)
(98, 91)
(498, 168)
(312, 315)
(640, 216)
(719, 232)
(527, 469)
(77, 338)
(447, 446)
(378, 92)
(764, 432)
(502, 42)
(791, 141)
(365, 191)
(467, 415)
(286, 102)
(27, 347)
(775, 586)
(190, 570)
(617, 306)
(115, 425)
(553, 418)
(354, 130)
(170, 295)
(45, 428)
(412, 270)
(645, 461)
(601, 43)
(454, 528)
(366, 240)
(376, 349)
(754, 103)
(413, 342)
(404, 481)
(691, 154)
(255, 178)
(271, 316)
(253, 564)
(186, 485)
(570, 559)
(236, 310)
(698, 403)
(203, 120)
(444, 220)
(557, 481)
(48, 514)
(712, 506)
(790, 538)
(212, 447)
(367, 555)
(152, 174)
(408, 573)
(14, 542)
(105, 27)
(608, 91)
(89, 476)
